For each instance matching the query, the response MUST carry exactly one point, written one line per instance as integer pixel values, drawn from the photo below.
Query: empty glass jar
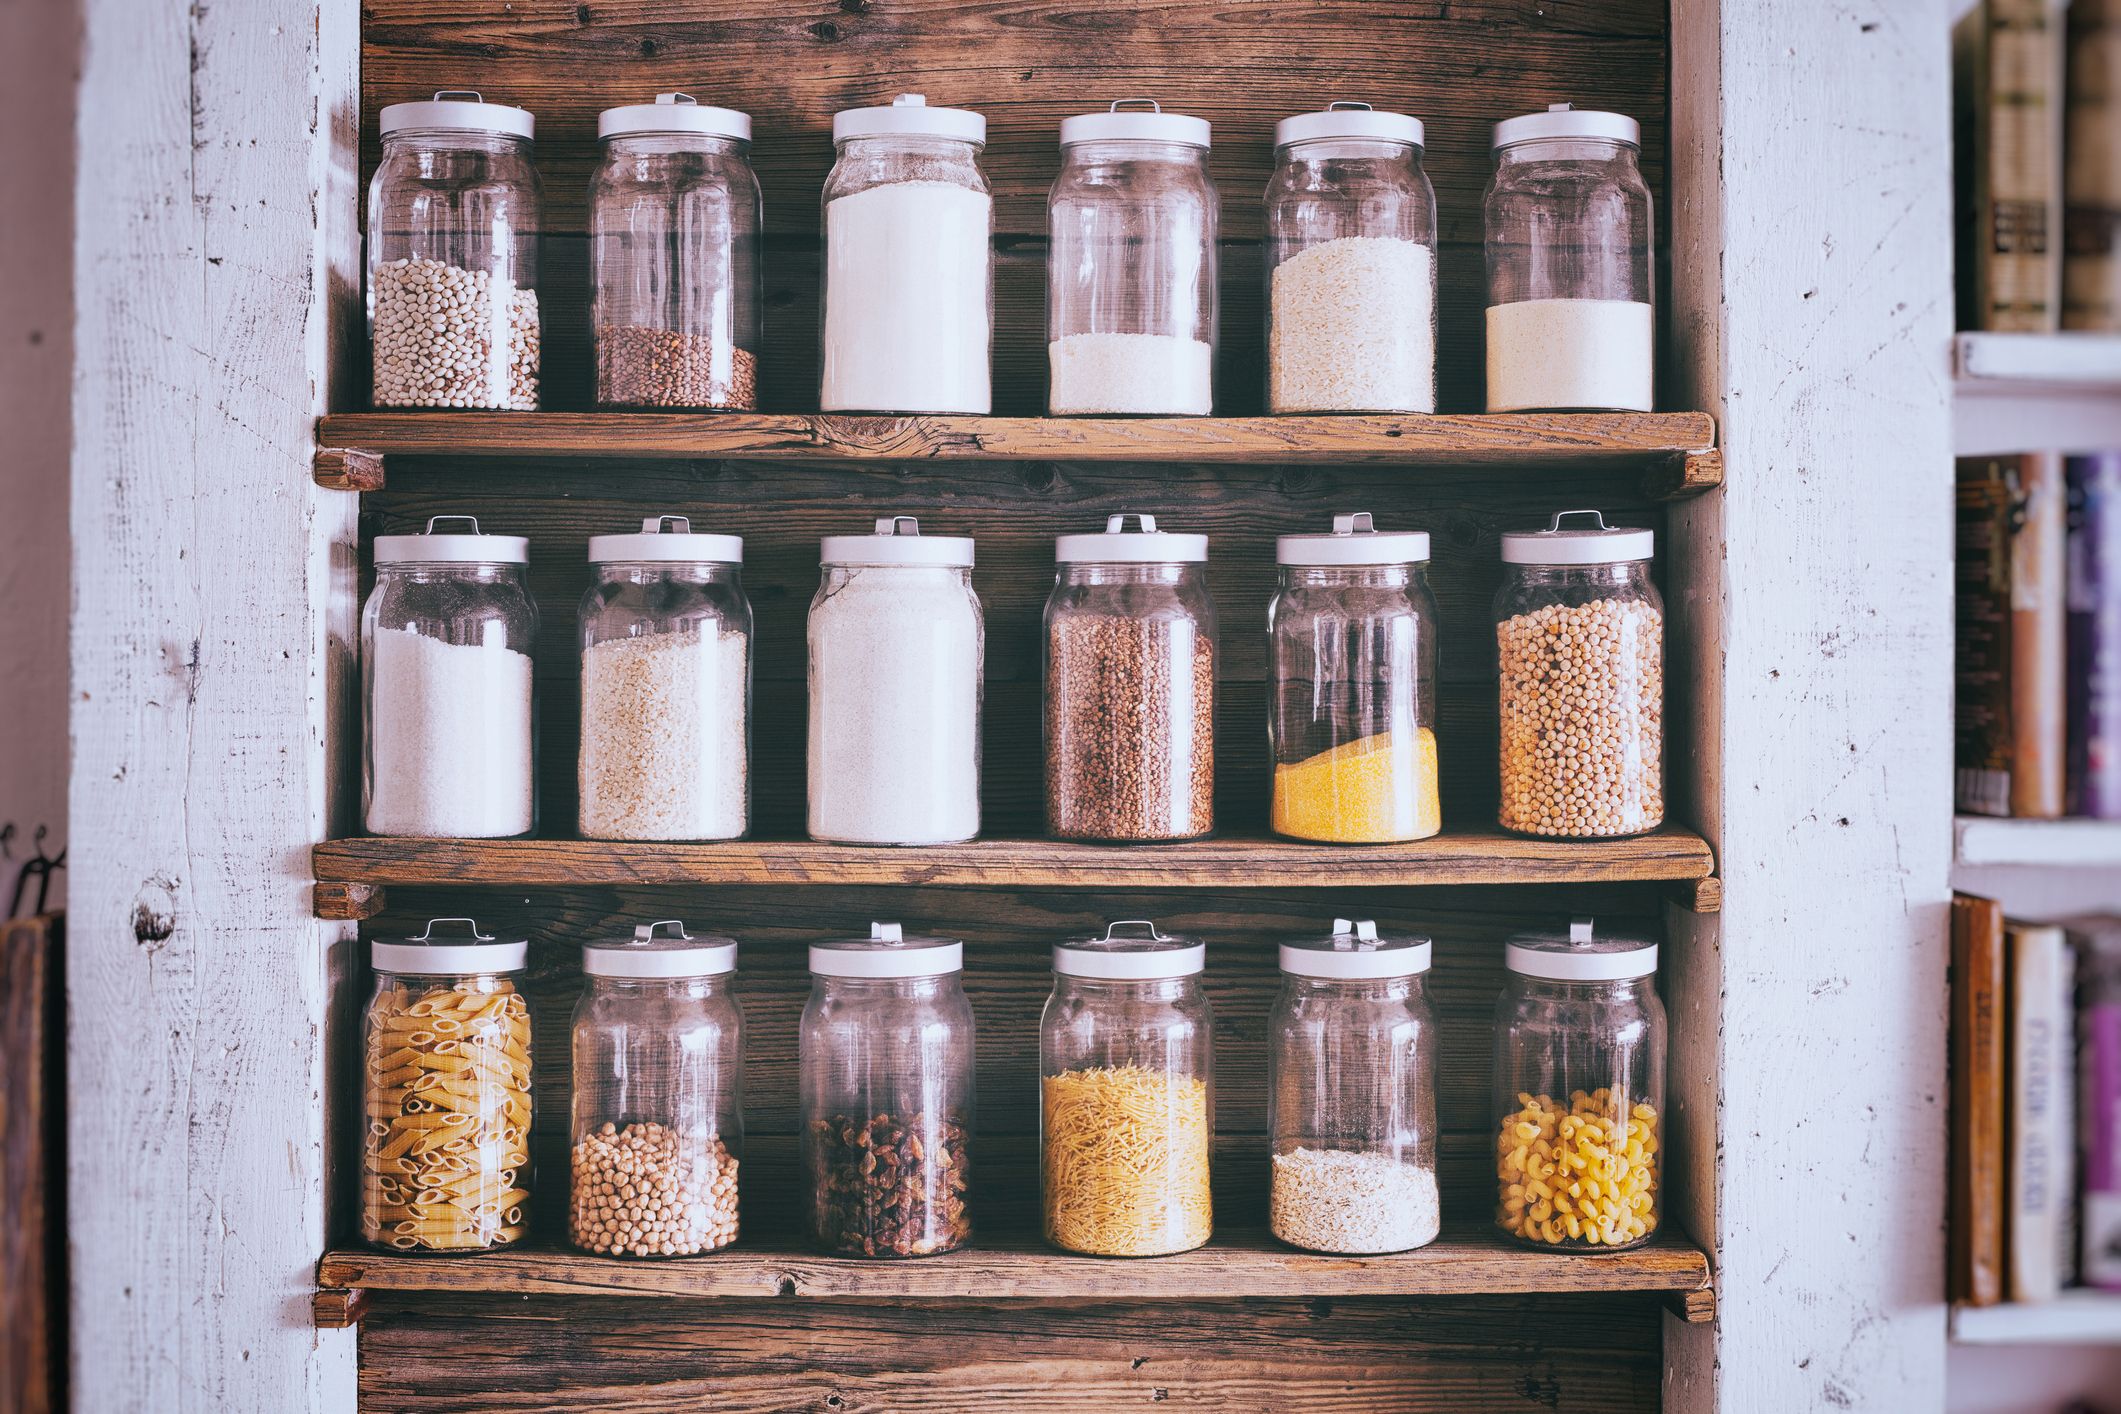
(1571, 267)
(887, 1095)
(909, 287)
(674, 257)
(445, 1144)
(1130, 686)
(666, 686)
(1130, 270)
(1352, 1089)
(1579, 1090)
(453, 257)
(1351, 666)
(1579, 634)
(1351, 265)
(1127, 1114)
(448, 740)
(658, 1096)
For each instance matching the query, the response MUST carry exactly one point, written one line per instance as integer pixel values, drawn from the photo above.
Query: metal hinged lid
(1353, 541)
(1119, 123)
(422, 955)
(1565, 120)
(674, 113)
(1118, 545)
(432, 547)
(1580, 955)
(1347, 119)
(887, 952)
(664, 539)
(1144, 956)
(1593, 544)
(909, 115)
(462, 110)
(1355, 952)
(897, 540)
(675, 954)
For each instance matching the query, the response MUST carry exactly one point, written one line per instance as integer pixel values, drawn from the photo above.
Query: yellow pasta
(1124, 1152)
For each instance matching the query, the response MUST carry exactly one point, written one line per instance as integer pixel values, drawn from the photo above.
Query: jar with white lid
(909, 279)
(1579, 1090)
(1351, 673)
(1351, 1086)
(1126, 1063)
(448, 737)
(666, 686)
(1130, 686)
(886, 1060)
(1571, 265)
(453, 257)
(1130, 269)
(1351, 265)
(446, 1097)
(658, 1121)
(675, 295)
(1579, 635)
(897, 648)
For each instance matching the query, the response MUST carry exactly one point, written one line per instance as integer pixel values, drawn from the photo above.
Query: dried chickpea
(1582, 697)
(1578, 1175)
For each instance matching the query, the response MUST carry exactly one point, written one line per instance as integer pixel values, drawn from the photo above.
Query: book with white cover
(2040, 1120)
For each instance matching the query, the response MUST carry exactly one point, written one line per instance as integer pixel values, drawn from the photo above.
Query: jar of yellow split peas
(1579, 1091)
(445, 1143)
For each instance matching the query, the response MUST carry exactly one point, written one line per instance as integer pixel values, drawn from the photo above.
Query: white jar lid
(675, 954)
(472, 547)
(667, 538)
(423, 955)
(1580, 956)
(1121, 124)
(457, 110)
(897, 540)
(1145, 956)
(1565, 120)
(909, 115)
(887, 952)
(1349, 120)
(1353, 542)
(1118, 545)
(674, 113)
(1594, 544)
(1354, 952)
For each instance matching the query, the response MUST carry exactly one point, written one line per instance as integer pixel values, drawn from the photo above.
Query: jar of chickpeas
(1579, 1090)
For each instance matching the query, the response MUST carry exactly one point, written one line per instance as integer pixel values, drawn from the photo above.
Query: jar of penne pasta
(445, 1154)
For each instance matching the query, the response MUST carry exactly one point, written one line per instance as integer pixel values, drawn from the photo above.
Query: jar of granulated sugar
(447, 739)
(453, 257)
(666, 686)
(1130, 274)
(674, 257)
(1579, 629)
(909, 281)
(1351, 265)
(1570, 265)
(897, 644)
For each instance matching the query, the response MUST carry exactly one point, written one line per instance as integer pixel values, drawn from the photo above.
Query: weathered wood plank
(348, 902)
(335, 1308)
(33, 1286)
(347, 469)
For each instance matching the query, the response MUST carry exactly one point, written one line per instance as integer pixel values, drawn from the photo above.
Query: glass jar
(453, 257)
(1351, 1085)
(1579, 1091)
(897, 645)
(1351, 668)
(658, 1096)
(909, 278)
(1126, 1079)
(1130, 686)
(448, 738)
(674, 218)
(1130, 273)
(666, 686)
(887, 1095)
(1579, 634)
(1570, 265)
(1351, 265)
(445, 1151)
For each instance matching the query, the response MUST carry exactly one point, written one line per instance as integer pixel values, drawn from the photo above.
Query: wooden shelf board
(1983, 840)
(2090, 363)
(1450, 858)
(1234, 1265)
(2077, 1317)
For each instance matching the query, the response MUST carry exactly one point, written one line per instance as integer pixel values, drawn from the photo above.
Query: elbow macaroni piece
(1584, 1174)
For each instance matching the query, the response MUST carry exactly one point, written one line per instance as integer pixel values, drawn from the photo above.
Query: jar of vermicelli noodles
(445, 1152)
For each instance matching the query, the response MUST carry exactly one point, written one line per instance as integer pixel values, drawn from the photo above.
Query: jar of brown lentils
(1579, 633)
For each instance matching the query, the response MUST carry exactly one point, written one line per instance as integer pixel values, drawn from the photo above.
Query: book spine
(1987, 504)
(2039, 639)
(1976, 1158)
(2091, 174)
(2094, 598)
(2099, 1111)
(2039, 1133)
(2018, 261)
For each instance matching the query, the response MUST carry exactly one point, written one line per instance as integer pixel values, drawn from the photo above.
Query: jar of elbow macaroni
(445, 1147)
(1579, 1090)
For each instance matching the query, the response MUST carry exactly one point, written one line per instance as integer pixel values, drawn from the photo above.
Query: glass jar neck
(1620, 575)
(665, 572)
(1381, 989)
(664, 144)
(1566, 149)
(670, 987)
(455, 571)
(1343, 149)
(898, 988)
(889, 145)
(1620, 989)
(1354, 576)
(1127, 572)
(1120, 151)
(1150, 989)
(455, 140)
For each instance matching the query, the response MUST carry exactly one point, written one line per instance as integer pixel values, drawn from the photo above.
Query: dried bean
(1130, 728)
(1583, 719)
(638, 366)
(887, 1187)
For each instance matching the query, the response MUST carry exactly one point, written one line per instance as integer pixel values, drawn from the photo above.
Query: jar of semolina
(1579, 1091)
(1579, 636)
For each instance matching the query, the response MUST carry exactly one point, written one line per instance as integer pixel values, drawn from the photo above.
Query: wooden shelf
(1451, 858)
(2079, 1317)
(2087, 362)
(2060, 844)
(1233, 1266)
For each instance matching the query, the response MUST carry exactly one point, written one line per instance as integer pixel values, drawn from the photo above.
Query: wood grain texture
(346, 469)
(347, 902)
(33, 1285)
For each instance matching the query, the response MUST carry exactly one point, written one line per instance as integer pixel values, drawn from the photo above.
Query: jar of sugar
(909, 281)
(448, 740)
(1570, 265)
(897, 645)
(1130, 274)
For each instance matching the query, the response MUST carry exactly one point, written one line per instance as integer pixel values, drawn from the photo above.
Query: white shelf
(2034, 392)
(2078, 1317)
(2058, 844)
(2003, 362)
